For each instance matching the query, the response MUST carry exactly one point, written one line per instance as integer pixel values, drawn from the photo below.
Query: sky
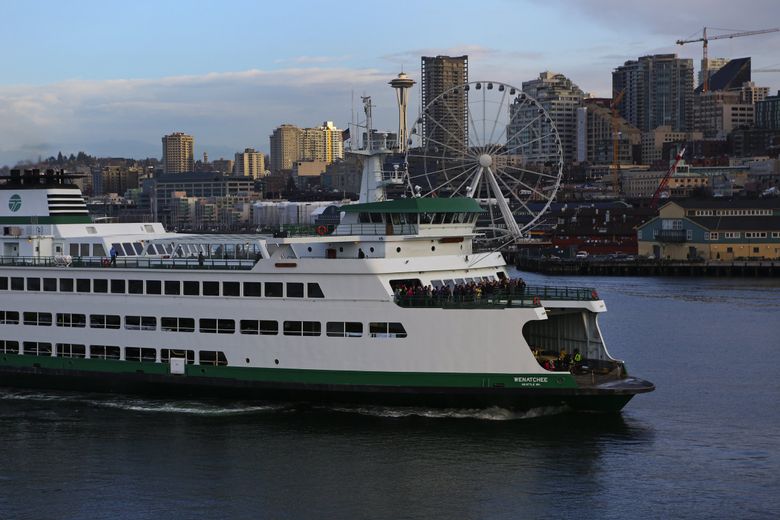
(111, 78)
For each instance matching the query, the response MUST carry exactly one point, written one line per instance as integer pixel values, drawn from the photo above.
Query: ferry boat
(337, 318)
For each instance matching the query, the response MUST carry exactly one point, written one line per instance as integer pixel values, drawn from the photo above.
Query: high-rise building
(658, 91)
(249, 163)
(768, 113)
(718, 112)
(560, 98)
(713, 66)
(598, 132)
(445, 126)
(285, 148)
(290, 144)
(178, 153)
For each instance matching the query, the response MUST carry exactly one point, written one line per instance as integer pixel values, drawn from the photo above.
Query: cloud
(230, 110)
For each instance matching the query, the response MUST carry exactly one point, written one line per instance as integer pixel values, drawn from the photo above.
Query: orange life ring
(537, 302)
(321, 230)
(105, 262)
(594, 295)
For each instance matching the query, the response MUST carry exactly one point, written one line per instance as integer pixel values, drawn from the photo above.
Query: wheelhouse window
(314, 291)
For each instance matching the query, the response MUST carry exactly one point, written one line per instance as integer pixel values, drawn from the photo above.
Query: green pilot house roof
(418, 205)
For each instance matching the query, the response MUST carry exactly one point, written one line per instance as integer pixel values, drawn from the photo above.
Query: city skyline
(111, 79)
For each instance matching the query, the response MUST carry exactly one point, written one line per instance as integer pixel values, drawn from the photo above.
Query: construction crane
(617, 97)
(705, 40)
(665, 181)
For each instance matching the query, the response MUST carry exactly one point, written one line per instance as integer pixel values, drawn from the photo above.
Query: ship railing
(528, 296)
(145, 262)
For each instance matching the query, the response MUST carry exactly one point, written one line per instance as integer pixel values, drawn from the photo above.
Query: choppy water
(705, 444)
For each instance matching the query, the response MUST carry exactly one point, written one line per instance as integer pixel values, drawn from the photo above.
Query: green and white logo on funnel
(15, 202)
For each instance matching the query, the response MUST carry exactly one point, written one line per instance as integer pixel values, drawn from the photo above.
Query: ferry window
(191, 288)
(138, 248)
(231, 289)
(9, 347)
(49, 284)
(140, 322)
(177, 324)
(501, 276)
(273, 289)
(74, 250)
(409, 282)
(294, 290)
(100, 286)
(437, 284)
(215, 326)
(210, 357)
(37, 318)
(129, 251)
(104, 352)
(118, 286)
(314, 290)
(172, 287)
(84, 249)
(302, 328)
(376, 218)
(210, 288)
(153, 287)
(460, 281)
(3, 283)
(135, 286)
(350, 329)
(9, 318)
(33, 348)
(71, 320)
(166, 355)
(104, 321)
(249, 327)
(386, 330)
(140, 354)
(33, 284)
(98, 250)
(83, 285)
(17, 284)
(118, 248)
(253, 289)
(71, 350)
(363, 218)
(269, 327)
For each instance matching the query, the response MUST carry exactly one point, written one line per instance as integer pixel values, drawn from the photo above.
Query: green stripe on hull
(314, 377)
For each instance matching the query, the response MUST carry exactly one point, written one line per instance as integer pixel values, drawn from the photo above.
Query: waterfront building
(439, 74)
(725, 230)
(643, 184)
(658, 91)
(115, 179)
(290, 144)
(654, 140)
(595, 140)
(717, 113)
(249, 163)
(560, 97)
(178, 153)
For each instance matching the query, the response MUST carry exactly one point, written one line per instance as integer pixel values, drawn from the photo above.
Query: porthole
(276, 361)
(371, 249)
(433, 248)
(309, 248)
(397, 249)
(341, 250)
(247, 361)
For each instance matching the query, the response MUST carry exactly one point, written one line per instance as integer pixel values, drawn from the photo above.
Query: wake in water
(224, 408)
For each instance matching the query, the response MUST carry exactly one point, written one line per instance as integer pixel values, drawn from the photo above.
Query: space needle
(402, 84)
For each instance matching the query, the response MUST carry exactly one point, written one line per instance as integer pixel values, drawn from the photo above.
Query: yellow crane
(705, 40)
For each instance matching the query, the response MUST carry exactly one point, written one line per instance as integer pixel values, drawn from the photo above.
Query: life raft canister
(537, 302)
(594, 295)
(105, 262)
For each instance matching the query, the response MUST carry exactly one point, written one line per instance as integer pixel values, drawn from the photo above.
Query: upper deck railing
(129, 262)
(529, 296)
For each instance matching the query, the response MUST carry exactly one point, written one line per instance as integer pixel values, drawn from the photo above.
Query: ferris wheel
(492, 142)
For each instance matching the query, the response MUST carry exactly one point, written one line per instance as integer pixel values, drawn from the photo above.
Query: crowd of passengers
(470, 291)
(561, 361)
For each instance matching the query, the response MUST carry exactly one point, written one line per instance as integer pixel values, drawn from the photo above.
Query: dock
(754, 269)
